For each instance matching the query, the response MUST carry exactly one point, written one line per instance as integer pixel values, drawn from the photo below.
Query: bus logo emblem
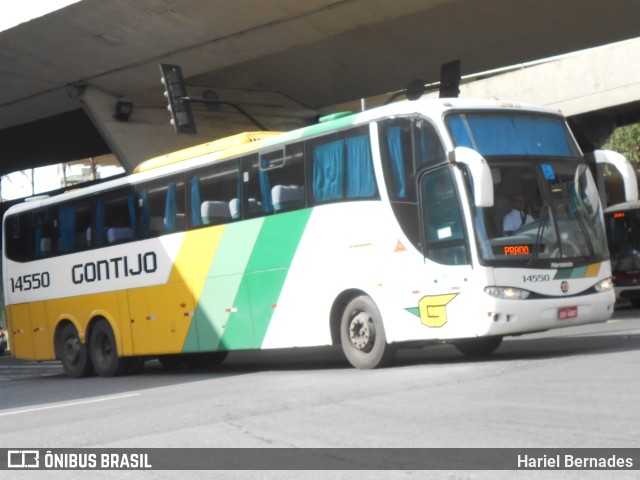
(564, 286)
(432, 308)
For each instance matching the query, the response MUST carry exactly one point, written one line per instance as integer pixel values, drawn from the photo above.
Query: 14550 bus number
(33, 281)
(536, 278)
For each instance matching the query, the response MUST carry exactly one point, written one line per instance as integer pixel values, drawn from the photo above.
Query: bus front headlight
(507, 293)
(604, 285)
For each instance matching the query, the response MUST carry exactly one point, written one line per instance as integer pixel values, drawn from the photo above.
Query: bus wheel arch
(103, 349)
(360, 330)
(72, 352)
(337, 310)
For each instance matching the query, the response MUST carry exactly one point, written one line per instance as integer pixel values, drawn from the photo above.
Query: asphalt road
(570, 388)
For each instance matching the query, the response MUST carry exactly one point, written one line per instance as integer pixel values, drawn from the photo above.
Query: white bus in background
(371, 231)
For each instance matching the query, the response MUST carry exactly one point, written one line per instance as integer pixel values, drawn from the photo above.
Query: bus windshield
(546, 210)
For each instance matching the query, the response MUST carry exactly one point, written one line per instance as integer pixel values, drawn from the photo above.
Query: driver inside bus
(517, 217)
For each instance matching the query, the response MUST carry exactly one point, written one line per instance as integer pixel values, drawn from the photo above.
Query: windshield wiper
(576, 212)
(540, 233)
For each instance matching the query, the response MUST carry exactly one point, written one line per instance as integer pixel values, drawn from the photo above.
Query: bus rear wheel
(362, 335)
(104, 353)
(74, 354)
(478, 347)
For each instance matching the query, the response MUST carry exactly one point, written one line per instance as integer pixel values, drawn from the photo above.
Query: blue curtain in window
(328, 171)
(360, 178)
(37, 238)
(430, 148)
(170, 207)
(99, 241)
(196, 217)
(459, 132)
(546, 137)
(265, 192)
(67, 223)
(511, 135)
(145, 215)
(394, 140)
(131, 204)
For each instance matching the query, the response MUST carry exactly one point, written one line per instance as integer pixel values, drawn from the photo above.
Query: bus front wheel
(362, 335)
(73, 353)
(104, 353)
(478, 347)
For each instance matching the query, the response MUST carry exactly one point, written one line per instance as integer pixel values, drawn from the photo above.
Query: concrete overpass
(284, 61)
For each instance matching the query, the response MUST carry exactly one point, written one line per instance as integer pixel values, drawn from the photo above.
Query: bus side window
(74, 229)
(120, 216)
(18, 237)
(341, 167)
(83, 234)
(256, 191)
(42, 233)
(66, 228)
(407, 145)
(174, 210)
(161, 206)
(283, 176)
(213, 194)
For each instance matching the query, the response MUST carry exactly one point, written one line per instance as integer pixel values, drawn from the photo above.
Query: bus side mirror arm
(620, 163)
(480, 174)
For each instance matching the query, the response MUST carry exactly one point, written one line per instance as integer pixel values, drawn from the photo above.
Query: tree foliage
(626, 140)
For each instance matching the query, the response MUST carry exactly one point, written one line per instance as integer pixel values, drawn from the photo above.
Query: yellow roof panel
(226, 143)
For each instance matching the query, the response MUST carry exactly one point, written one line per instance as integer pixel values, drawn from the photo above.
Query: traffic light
(179, 103)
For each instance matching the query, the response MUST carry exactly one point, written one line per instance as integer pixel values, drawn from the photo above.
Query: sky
(15, 12)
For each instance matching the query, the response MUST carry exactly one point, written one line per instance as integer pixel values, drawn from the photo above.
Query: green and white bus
(370, 231)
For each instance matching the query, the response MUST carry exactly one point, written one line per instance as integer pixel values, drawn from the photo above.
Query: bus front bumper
(512, 317)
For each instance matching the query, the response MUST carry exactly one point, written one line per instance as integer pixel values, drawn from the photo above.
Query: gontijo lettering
(114, 268)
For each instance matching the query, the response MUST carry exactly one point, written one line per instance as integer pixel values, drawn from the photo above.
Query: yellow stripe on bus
(592, 270)
(194, 258)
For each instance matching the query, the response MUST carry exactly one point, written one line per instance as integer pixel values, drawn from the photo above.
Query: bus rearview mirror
(624, 167)
(480, 173)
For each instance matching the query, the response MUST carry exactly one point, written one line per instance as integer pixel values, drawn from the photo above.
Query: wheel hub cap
(361, 332)
(72, 350)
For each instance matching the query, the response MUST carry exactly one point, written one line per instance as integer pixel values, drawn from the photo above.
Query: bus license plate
(568, 312)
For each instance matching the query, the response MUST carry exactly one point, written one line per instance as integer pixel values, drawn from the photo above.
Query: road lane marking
(70, 404)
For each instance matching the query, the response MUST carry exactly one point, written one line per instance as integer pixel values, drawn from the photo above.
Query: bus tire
(74, 354)
(104, 352)
(479, 347)
(362, 335)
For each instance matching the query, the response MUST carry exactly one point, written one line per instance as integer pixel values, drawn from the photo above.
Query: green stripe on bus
(310, 131)
(244, 283)
(216, 301)
(577, 272)
(263, 282)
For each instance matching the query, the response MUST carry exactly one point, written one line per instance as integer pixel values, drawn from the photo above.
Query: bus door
(443, 230)
(444, 242)
(160, 318)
